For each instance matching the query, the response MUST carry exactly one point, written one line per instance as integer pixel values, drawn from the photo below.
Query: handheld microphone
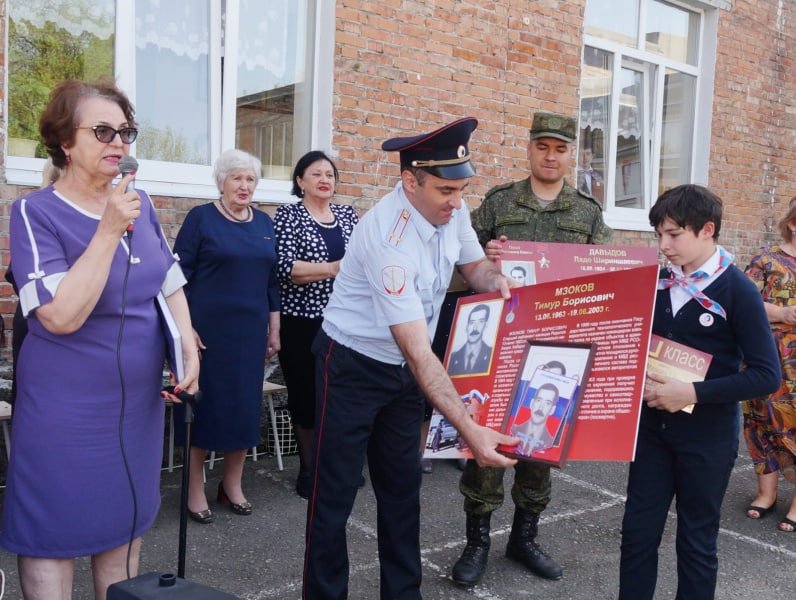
(127, 165)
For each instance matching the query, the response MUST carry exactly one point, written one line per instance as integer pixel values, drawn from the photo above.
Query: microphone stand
(189, 401)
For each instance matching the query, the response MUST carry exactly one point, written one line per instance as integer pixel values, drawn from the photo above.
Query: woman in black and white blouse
(312, 236)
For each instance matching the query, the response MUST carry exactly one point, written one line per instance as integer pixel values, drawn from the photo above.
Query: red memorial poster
(491, 339)
(537, 262)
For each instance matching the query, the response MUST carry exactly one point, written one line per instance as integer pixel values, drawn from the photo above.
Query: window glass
(615, 20)
(52, 40)
(194, 95)
(274, 82)
(595, 116)
(631, 134)
(637, 140)
(679, 96)
(171, 65)
(672, 32)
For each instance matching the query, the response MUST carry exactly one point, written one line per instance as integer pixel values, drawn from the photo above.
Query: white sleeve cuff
(174, 280)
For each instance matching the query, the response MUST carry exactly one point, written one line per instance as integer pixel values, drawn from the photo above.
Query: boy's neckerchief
(688, 283)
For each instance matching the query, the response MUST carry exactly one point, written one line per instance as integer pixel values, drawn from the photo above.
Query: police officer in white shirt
(374, 358)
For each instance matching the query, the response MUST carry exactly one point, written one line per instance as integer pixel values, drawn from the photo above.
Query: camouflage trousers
(482, 487)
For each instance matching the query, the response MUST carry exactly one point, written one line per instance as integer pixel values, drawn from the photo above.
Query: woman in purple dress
(88, 422)
(227, 251)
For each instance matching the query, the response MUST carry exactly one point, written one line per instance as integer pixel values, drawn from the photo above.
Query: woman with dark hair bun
(312, 236)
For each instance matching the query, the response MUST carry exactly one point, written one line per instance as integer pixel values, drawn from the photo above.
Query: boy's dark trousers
(697, 471)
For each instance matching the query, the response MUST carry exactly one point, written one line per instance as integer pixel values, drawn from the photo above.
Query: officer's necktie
(436, 252)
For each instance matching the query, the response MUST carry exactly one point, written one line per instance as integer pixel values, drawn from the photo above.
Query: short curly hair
(60, 117)
(234, 160)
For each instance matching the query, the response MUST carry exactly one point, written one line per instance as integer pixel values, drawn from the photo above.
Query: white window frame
(196, 181)
(636, 219)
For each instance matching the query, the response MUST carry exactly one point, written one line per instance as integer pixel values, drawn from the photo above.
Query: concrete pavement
(260, 557)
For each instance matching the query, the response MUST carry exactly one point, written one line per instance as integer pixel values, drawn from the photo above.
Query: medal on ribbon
(512, 305)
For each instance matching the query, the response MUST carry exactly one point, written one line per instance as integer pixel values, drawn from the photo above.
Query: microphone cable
(128, 262)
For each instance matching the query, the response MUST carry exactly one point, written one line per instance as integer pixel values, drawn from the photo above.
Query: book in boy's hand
(672, 359)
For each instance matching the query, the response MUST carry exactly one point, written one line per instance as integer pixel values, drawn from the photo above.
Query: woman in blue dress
(84, 477)
(227, 250)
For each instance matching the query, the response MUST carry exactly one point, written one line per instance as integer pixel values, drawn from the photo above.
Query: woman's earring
(301, 192)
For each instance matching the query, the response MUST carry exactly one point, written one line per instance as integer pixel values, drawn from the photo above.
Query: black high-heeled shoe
(244, 508)
(203, 516)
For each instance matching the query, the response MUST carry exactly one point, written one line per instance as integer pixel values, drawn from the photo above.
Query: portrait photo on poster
(521, 271)
(475, 329)
(544, 400)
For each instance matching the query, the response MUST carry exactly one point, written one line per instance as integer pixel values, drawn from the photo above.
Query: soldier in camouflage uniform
(543, 208)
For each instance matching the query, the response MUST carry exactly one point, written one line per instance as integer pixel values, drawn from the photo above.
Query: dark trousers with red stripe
(365, 408)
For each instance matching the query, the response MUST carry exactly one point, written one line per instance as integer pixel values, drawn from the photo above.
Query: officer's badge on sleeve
(393, 278)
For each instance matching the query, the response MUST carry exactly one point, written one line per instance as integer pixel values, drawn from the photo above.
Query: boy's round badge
(706, 319)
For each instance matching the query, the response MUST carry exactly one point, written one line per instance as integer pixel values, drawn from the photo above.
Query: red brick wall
(7, 297)
(404, 66)
(407, 66)
(752, 160)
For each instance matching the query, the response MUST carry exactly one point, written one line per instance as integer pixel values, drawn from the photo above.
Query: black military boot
(471, 565)
(523, 549)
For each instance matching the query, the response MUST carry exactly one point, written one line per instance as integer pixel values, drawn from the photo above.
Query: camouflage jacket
(511, 209)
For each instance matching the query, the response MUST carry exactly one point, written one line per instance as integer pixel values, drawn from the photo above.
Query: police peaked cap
(442, 152)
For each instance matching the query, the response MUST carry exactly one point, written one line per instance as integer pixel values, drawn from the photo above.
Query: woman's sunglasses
(106, 133)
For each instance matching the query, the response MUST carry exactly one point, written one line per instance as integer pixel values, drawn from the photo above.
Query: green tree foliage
(39, 58)
(165, 144)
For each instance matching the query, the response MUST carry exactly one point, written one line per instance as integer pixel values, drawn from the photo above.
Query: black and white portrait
(522, 272)
(475, 330)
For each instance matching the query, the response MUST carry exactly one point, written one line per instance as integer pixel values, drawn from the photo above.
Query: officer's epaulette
(396, 234)
(497, 188)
